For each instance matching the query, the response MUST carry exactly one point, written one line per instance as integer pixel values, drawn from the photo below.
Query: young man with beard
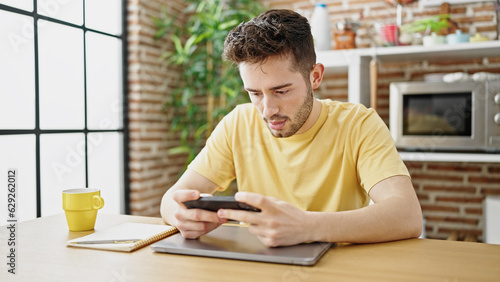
(311, 166)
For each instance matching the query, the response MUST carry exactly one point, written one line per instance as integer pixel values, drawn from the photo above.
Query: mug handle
(97, 202)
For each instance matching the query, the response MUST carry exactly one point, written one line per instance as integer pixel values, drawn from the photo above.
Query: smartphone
(214, 203)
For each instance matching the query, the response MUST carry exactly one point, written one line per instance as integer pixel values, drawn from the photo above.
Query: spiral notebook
(126, 237)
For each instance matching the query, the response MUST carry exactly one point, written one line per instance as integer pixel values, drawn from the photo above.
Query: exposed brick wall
(152, 170)
(451, 194)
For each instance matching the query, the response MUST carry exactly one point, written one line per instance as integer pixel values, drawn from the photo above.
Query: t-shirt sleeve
(215, 160)
(375, 155)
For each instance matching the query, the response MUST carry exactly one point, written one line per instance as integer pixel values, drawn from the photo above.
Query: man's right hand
(193, 223)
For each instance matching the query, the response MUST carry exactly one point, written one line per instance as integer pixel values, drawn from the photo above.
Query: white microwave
(441, 116)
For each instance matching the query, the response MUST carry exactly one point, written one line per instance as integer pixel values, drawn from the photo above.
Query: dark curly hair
(273, 33)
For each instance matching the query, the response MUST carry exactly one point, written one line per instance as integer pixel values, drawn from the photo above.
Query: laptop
(236, 242)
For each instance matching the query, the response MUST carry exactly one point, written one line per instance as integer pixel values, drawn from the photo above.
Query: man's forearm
(388, 220)
(166, 209)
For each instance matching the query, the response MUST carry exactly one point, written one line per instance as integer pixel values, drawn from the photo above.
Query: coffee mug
(80, 206)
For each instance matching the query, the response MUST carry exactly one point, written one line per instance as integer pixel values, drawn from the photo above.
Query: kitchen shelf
(450, 157)
(341, 60)
(356, 61)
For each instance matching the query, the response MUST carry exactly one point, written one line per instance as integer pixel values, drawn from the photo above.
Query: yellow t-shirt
(330, 167)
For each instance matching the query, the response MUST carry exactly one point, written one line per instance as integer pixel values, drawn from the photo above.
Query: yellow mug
(80, 206)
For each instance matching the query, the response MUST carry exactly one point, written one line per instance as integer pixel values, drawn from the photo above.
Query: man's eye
(281, 92)
(254, 93)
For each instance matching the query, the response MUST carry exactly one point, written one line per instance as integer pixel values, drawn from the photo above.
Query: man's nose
(270, 107)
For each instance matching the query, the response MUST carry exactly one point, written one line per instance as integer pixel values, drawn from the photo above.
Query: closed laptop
(236, 242)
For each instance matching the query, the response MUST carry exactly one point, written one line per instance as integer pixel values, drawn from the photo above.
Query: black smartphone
(214, 203)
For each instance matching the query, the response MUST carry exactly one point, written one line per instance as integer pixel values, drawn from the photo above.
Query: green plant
(198, 46)
(427, 25)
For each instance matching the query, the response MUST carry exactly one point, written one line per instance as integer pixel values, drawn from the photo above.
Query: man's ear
(317, 73)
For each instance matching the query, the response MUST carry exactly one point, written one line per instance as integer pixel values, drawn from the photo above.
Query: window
(62, 102)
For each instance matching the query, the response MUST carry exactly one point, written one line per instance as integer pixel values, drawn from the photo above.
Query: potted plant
(430, 28)
(198, 46)
(427, 25)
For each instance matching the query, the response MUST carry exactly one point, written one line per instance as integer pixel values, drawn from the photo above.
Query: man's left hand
(278, 224)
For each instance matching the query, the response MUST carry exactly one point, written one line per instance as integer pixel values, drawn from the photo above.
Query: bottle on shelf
(321, 28)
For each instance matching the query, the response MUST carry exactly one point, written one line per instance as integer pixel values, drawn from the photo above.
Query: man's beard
(299, 118)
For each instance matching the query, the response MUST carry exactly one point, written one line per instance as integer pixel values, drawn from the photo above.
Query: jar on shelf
(457, 37)
(434, 39)
(345, 34)
(479, 38)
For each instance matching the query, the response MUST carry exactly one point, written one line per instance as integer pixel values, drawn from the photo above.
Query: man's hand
(278, 224)
(192, 223)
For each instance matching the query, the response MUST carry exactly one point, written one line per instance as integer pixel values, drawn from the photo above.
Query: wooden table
(43, 256)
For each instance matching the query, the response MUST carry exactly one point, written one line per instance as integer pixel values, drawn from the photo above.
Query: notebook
(125, 237)
(236, 242)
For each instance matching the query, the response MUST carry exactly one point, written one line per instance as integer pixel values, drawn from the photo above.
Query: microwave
(442, 116)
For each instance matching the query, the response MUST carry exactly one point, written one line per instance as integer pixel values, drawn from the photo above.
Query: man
(310, 165)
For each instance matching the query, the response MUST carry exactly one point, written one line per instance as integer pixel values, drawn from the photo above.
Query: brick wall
(451, 194)
(152, 170)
